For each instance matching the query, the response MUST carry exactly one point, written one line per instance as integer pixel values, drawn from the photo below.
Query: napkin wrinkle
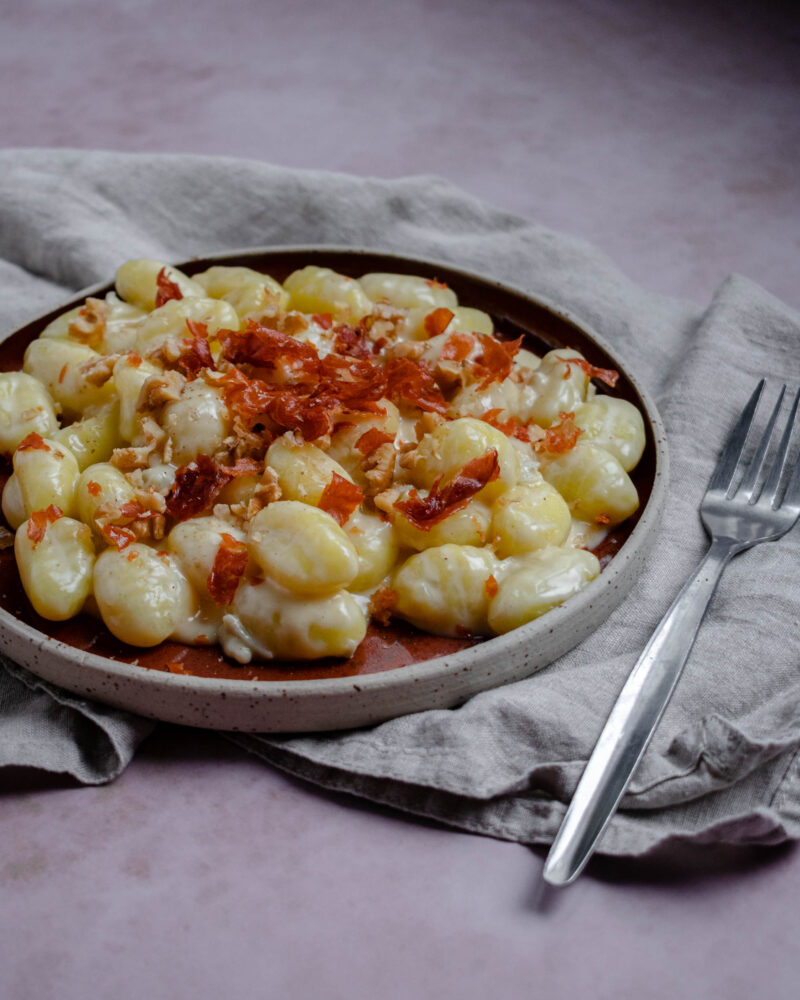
(723, 763)
(48, 728)
(534, 818)
(714, 754)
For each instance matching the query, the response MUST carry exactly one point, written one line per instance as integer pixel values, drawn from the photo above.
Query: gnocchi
(270, 465)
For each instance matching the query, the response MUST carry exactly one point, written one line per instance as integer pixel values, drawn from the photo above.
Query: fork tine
(729, 460)
(779, 462)
(750, 478)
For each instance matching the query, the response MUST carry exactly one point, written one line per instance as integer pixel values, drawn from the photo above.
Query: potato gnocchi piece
(593, 483)
(130, 374)
(525, 360)
(13, 504)
(321, 290)
(467, 526)
(159, 476)
(137, 282)
(58, 329)
(59, 365)
(469, 320)
(101, 486)
(463, 320)
(272, 623)
(248, 291)
(239, 490)
(94, 438)
(511, 399)
(55, 561)
(558, 387)
(444, 590)
(303, 470)
(302, 548)
(252, 301)
(418, 296)
(25, 408)
(142, 595)
(195, 544)
(116, 332)
(46, 473)
(529, 517)
(613, 424)
(344, 447)
(170, 320)
(376, 546)
(122, 324)
(197, 423)
(449, 447)
(544, 579)
(408, 291)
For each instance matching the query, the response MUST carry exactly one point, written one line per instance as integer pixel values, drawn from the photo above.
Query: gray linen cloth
(724, 764)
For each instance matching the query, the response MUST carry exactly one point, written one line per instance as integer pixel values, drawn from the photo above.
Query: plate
(396, 670)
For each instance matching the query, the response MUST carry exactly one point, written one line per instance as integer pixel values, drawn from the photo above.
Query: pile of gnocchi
(225, 459)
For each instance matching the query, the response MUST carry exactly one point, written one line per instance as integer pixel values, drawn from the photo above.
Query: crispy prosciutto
(248, 397)
(295, 388)
(412, 382)
(457, 347)
(495, 361)
(284, 359)
(340, 498)
(198, 484)
(40, 519)
(195, 353)
(118, 536)
(442, 501)
(561, 437)
(353, 341)
(166, 289)
(230, 563)
(372, 439)
(33, 442)
(436, 322)
(607, 375)
(511, 426)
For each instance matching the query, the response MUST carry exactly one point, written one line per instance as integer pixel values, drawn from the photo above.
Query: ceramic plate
(396, 670)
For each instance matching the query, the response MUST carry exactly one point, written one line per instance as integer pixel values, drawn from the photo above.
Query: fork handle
(633, 719)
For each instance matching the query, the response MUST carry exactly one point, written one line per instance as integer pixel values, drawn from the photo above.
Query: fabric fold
(42, 726)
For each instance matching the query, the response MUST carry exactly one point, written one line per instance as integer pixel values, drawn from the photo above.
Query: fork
(736, 517)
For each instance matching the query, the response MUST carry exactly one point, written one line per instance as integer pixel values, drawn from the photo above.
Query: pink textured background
(666, 134)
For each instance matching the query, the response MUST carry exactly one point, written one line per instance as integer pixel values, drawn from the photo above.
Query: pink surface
(667, 135)
(200, 873)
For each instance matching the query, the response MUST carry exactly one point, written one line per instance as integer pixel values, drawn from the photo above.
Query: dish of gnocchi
(227, 460)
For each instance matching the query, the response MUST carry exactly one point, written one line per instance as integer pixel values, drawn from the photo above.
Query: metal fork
(736, 516)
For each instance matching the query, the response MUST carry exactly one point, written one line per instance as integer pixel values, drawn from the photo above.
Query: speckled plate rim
(346, 702)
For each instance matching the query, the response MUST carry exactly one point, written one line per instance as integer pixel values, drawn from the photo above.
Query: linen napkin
(724, 764)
